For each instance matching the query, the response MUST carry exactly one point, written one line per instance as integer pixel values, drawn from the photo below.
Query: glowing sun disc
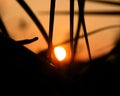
(60, 53)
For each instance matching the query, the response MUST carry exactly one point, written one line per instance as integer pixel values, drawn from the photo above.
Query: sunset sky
(20, 26)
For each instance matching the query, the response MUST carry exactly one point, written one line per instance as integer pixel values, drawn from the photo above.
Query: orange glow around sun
(60, 53)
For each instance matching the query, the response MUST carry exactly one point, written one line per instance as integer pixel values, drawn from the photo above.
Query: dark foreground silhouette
(23, 72)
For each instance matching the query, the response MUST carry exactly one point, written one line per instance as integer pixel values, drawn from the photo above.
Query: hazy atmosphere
(60, 47)
(20, 26)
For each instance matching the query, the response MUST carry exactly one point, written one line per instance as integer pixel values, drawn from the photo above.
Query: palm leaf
(91, 33)
(107, 12)
(34, 18)
(71, 27)
(51, 25)
(105, 2)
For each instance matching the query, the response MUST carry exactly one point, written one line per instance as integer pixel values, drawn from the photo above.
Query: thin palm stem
(51, 25)
(81, 6)
(71, 27)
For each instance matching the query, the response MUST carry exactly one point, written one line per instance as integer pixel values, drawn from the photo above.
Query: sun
(60, 53)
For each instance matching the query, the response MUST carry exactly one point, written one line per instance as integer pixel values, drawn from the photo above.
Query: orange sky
(13, 16)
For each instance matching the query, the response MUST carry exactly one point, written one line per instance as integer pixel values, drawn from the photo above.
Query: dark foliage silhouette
(24, 72)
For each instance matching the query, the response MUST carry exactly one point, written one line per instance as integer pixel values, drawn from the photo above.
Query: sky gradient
(20, 26)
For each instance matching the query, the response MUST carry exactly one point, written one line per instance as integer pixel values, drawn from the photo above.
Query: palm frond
(82, 3)
(51, 24)
(107, 12)
(71, 27)
(34, 18)
(91, 33)
(105, 2)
